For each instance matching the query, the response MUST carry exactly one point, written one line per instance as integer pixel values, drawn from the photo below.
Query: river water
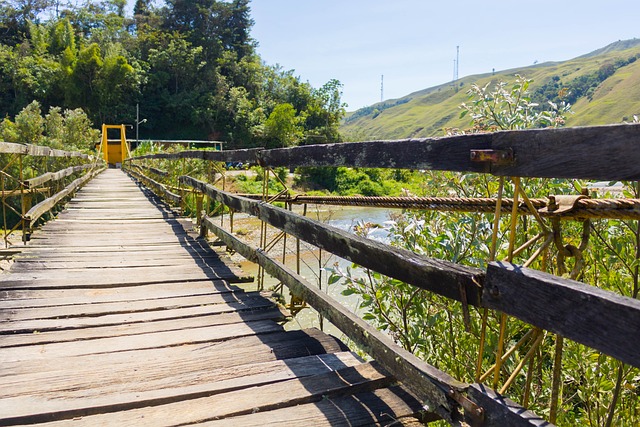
(314, 262)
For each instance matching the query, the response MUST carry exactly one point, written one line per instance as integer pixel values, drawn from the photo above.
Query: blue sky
(413, 42)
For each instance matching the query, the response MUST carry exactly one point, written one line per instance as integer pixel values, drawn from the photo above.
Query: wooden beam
(159, 171)
(55, 176)
(47, 204)
(12, 148)
(245, 156)
(500, 411)
(442, 277)
(38, 150)
(161, 188)
(597, 152)
(599, 319)
(423, 379)
(451, 153)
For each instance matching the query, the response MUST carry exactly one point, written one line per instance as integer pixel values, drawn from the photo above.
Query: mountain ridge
(605, 84)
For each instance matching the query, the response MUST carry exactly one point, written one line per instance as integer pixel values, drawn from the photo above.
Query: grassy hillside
(614, 99)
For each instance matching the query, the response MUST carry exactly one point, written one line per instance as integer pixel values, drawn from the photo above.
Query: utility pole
(138, 121)
(382, 88)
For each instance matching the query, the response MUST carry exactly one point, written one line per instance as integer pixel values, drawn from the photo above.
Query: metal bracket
(495, 157)
(471, 409)
(561, 204)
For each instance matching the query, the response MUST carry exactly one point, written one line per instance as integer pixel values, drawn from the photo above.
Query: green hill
(604, 88)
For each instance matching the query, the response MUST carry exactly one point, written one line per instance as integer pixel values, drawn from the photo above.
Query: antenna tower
(382, 88)
(456, 64)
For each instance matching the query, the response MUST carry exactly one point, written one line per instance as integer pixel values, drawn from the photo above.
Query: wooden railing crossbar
(39, 151)
(598, 153)
(56, 176)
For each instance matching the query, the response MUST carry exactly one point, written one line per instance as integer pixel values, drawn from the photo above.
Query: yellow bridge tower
(114, 150)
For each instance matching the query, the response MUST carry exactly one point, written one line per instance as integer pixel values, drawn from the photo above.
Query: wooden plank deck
(115, 315)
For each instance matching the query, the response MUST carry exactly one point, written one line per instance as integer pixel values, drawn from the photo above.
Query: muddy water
(313, 262)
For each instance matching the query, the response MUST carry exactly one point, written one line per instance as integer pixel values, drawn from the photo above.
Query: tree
(214, 25)
(142, 13)
(81, 88)
(15, 16)
(78, 133)
(62, 38)
(236, 34)
(117, 85)
(283, 127)
(325, 112)
(54, 127)
(30, 124)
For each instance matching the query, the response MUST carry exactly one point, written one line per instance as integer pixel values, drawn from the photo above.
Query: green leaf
(348, 291)
(334, 278)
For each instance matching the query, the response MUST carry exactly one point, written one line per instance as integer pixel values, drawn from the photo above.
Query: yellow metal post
(119, 151)
(105, 148)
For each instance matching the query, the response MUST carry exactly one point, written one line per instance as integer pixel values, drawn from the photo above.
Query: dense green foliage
(190, 65)
(364, 182)
(585, 85)
(69, 129)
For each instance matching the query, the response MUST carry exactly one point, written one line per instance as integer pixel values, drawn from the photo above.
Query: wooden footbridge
(117, 313)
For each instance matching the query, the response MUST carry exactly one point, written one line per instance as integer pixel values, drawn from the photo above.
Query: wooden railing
(30, 190)
(586, 314)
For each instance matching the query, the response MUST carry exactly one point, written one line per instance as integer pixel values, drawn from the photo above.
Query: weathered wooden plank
(229, 353)
(56, 176)
(500, 411)
(442, 277)
(79, 241)
(69, 154)
(598, 152)
(56, 297)
(38, 150)
(451, 153)
(146, 253)
(138, 342)
(186, 246)
(245, 156)
(12, 148)
(591, 316)
(46, 205)
(93, 309)
(178, 369)
(161, 188)
(115, 277)
(382, 407)
(126, 233)
(215, 394)
(24, 264)
(159, 172)
(33, 333)
(428, 382)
